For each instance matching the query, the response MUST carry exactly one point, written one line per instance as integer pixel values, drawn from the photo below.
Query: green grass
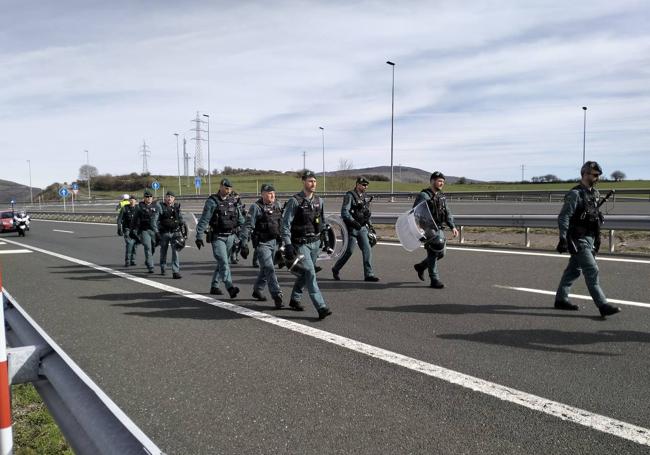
(288, 183)
(34, 430)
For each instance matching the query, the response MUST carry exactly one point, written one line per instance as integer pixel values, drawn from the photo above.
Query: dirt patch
(630, 242)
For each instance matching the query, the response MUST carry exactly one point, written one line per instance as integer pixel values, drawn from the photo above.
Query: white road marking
(61, 230)
(14, 251)
(531, 253)
(117, 412)
(2, 243)
(562, 411)
(574, 296)
(77, 222)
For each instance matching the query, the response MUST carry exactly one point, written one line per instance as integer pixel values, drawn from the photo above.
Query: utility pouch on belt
(209, 236)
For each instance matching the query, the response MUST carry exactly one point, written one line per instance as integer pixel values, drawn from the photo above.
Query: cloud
(480, 88)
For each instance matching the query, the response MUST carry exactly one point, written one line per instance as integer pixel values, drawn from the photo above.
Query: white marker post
(6, 436)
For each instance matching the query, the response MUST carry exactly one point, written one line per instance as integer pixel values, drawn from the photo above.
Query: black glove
(184, 230)
(562, 245)
(289, 253)
(355, 225)
(244, 251)
(119, 231)
(157, 239)
(199, 243)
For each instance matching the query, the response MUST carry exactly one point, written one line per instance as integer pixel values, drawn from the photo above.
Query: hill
(402, 174)
(15, 191)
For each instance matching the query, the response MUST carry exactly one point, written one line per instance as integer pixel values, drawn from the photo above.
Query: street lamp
(88, 173)
(584, 134)
(209, 168)
(178, 165)
(392, 119)
(322, 130)
(31, 194)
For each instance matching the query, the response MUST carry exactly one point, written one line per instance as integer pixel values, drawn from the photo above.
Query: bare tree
(87, 171)
(618, 176)
(201, 172)
(345, 164)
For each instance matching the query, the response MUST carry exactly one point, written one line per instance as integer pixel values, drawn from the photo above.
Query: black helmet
(436, 244)
(590, 166)
(437, 175)
(178, 241)
(328, 240)
(297, 267)
(372, 236)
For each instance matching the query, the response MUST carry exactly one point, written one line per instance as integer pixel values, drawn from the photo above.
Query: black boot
(565, 306)
(436, 284)
(608, 310)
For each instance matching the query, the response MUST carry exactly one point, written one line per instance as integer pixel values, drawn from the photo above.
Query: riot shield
(416, 227)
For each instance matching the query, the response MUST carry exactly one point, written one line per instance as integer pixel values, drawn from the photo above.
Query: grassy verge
(34, 430)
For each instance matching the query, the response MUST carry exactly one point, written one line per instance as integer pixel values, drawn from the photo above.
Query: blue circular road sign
(63, 191)
(75, 186)
(197, 182)
(155, 186)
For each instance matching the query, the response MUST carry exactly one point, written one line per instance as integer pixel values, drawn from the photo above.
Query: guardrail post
(611, 240)
(527, 237)
(461, 239)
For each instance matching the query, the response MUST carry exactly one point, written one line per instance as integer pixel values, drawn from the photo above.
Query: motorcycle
(22, 225)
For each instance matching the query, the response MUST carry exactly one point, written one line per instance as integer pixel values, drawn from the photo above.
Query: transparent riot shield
(416, 227)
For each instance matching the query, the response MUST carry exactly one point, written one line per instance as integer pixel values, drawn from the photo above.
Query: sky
(481, 87)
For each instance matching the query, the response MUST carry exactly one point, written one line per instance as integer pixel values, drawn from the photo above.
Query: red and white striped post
(6, 437)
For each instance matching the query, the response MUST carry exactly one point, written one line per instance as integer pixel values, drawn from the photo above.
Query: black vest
(438, 206)
(587, 218)
(360, 208)
(169, 217)
(224, 218)
(307, 217)
(146, 215)
(128, 213)
(267, 226)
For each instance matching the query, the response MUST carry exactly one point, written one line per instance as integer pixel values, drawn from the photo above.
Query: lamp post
(178, 166)
(31, 194)
(88, 173)
(392, 119)
(209, 169)
(584, 134)
(322, 130)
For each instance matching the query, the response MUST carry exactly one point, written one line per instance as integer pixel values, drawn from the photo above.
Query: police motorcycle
(417, 227)
(21, 222)
(333, 242)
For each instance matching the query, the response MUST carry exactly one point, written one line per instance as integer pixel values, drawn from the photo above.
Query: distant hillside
(15, 191)
(403, 174)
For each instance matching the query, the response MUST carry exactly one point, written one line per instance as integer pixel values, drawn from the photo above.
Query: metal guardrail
(91, 423)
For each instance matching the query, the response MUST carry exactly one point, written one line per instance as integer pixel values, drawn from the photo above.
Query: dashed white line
(562, 411)
(61, 230)
(574, 296)
(14, 251)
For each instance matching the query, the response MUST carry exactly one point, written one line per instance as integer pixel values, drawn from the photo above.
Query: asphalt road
(199, 379)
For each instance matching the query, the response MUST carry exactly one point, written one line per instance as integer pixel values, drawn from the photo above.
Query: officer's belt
(304, 240)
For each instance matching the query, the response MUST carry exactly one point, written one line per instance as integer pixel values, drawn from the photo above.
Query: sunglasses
(363, 184)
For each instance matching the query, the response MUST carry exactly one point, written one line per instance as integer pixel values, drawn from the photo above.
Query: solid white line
(562, 411)
(61, 230)
(574, 296)
(2, 243)
(77, 222)
(14, 251)
(530, 253)
(119, 414)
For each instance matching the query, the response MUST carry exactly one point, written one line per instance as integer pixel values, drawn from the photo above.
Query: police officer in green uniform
(437, 203)
(124, 220)
(142, 227)
(223, 217)
(302, 222)
(356, 215)
(579, 222)
(168, 222)
(263, 227)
